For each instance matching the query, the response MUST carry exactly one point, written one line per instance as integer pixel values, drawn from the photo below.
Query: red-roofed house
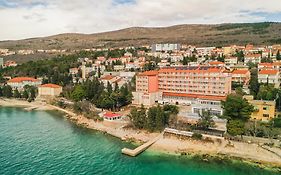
(51, 90)
(20, 82)
(110, 116)
(241, 76)
(269, 76)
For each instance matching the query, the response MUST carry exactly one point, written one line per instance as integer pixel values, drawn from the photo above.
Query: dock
(140, 149)
(31, 108)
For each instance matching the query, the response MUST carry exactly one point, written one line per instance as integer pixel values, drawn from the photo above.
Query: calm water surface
(41, 142)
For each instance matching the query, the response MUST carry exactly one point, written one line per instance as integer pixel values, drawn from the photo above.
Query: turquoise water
(41, 142)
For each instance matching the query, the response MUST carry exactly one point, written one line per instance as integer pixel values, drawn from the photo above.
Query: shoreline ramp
(141, 148)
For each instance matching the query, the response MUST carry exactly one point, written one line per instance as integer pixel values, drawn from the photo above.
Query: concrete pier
(140, 149)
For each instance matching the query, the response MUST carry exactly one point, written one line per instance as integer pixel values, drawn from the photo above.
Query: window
(264, 108)
(266, 115)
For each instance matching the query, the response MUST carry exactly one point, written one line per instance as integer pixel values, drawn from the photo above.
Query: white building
(165, 47)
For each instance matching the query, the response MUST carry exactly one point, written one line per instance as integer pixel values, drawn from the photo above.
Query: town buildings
(165, 47)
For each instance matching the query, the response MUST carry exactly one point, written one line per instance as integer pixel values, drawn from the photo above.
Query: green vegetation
(95, 92)
(187, 60)
(263, 129)
(278, 56)
(54, 70)
(254, 84)
(254, 26)
(197, 136)
(155, 118)
(206, 120)
(28, 93)
(237, 111)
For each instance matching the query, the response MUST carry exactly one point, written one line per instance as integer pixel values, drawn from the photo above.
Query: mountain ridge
(195, 34)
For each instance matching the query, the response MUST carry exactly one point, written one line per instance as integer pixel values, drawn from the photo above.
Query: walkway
(140, 149)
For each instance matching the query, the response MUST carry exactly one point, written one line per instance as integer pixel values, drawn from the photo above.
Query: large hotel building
(202, 87)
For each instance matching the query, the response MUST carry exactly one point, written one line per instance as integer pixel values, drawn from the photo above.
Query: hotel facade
(201, 87)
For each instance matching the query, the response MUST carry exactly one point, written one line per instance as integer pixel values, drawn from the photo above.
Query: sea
(45, 143)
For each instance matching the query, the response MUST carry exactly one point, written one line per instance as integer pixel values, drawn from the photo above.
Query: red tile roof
(111, 115)
(215, 63)
(21, 79)
(240, 71)
(107, 77)
(208, 70)
(149, 73)
(268, 72)
(50, 86)
(266, 64)
(204, 97)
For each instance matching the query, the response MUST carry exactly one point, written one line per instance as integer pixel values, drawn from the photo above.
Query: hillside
(201, 35)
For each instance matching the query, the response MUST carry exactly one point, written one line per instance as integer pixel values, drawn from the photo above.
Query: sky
(35, 18)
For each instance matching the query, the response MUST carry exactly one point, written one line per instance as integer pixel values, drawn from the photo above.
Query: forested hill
(200, 35)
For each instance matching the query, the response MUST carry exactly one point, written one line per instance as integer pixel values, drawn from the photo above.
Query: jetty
(141, 148)
(31, 108)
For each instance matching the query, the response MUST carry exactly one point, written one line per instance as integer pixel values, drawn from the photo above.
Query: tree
(235, 107)
(78, 94)
(267, 92)
(16, 94)
(237, 111)
(254, 83)
(278, 56)
(138, 117)
(116, 87)
(1, 92)
(25, 94)
(109, 87)
(99, 72)
(235, 127)
(32, 92)
(7, 91)
(206, 120)
(240, 55)
(149, 66)
(277, 122)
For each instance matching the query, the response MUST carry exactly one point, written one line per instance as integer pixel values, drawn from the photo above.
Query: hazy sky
(31, 18)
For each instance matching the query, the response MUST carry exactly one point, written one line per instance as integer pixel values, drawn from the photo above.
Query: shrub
(197, 136)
